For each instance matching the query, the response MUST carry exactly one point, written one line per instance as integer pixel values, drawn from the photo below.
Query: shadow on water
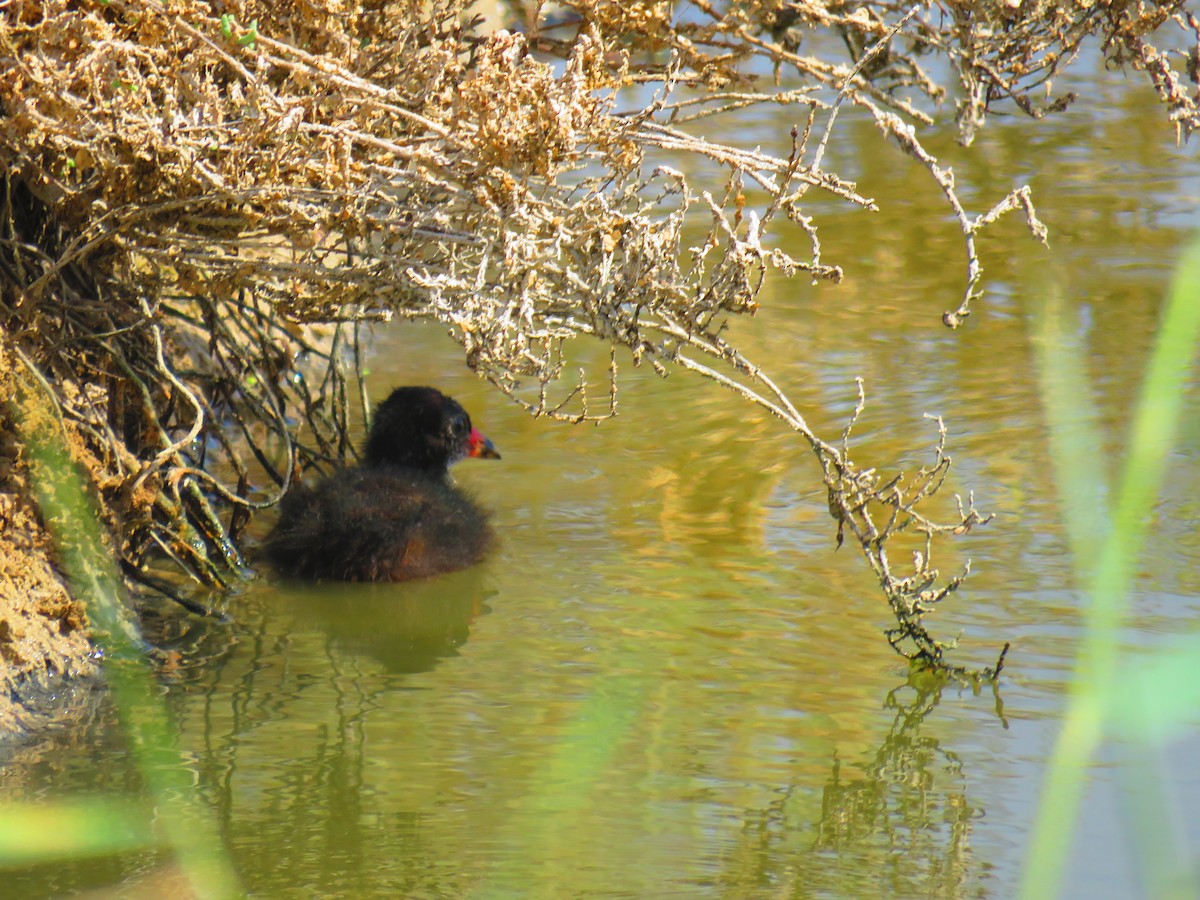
(407, 628)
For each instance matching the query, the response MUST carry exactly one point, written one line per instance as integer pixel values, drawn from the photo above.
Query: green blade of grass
(1110, 576)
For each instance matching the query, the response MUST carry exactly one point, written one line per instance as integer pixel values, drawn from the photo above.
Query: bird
(396, 515)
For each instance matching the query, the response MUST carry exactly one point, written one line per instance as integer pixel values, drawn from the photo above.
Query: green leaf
(1156, 699)
(250, 37)
(32, 833)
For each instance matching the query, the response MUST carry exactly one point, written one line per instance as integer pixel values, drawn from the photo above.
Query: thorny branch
(184, 194)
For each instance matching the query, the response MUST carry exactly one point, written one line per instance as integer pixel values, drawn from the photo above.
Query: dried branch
(1018, 198)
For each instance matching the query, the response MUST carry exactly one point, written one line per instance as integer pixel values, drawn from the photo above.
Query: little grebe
(396, 516)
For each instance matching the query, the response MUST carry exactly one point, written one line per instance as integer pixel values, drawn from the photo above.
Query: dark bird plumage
(396, 516)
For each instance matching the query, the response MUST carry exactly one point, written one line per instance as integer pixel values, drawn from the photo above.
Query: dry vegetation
(187, 184)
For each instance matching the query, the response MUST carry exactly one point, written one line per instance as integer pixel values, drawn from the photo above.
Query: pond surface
(667, 681)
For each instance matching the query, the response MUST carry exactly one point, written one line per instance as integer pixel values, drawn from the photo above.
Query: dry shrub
(186, 184)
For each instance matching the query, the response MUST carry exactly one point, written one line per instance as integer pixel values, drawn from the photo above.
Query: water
(666, 681)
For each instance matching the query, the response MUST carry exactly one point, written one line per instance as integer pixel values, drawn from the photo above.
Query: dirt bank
(43, 629)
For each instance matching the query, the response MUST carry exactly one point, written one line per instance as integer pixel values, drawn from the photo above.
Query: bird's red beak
(478, 445)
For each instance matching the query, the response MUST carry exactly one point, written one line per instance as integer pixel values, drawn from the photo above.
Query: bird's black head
(422, 428)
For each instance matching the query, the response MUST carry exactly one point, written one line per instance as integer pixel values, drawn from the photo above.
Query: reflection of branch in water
(900, 802)
(911, 795)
